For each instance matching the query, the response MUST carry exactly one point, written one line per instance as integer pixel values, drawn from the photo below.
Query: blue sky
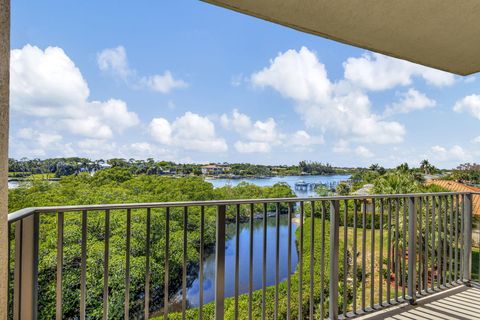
(190, 82)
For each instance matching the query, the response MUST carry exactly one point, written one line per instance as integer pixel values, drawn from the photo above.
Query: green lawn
(476, 264)
(208, 313)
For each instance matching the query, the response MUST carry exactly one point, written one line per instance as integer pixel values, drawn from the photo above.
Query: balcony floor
(460, 303)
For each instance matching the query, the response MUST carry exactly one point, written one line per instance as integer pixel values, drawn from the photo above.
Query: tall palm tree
(426, 166)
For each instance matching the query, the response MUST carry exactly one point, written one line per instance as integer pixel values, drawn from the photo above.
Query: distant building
(460, 187)
(212, 170)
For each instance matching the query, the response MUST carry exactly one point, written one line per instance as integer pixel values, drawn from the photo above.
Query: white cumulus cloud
(363, 152)
(411, 100)
(190, 131)
(297, 75)
(115, 61)
(469, 104)
(336, 107)
(455, 153)
(46, 84)
(252, 147)
(262, 136)
(374, 71)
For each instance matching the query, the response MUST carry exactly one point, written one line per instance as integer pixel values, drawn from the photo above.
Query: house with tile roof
(460, 187)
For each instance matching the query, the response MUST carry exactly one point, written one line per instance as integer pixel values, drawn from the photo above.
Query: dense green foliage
(398, 181)
(119, 185)
(467, 173)
(69, 166)
(316, 168)
(319, 287)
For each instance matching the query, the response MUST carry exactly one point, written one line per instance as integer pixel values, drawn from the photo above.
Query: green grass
(40, 176)
(476, 264)
(257, 296)
(208, 310)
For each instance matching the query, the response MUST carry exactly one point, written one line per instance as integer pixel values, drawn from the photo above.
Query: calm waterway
(244, 255)
(290, 180)
(244, 237)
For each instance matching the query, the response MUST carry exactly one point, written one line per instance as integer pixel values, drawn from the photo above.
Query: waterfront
(244, 260)
(290, 180)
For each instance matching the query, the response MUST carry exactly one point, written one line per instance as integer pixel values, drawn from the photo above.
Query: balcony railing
(340, 256)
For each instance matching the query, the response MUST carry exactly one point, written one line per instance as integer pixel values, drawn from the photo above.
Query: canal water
(244, 237)
(290, 180)
(244, 255)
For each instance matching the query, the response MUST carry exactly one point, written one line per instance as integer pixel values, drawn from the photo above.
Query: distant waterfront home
(212, 169)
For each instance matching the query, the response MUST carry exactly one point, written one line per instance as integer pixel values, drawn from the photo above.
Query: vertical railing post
(220, 264)
(26, 268)
(4, 130)
(334, 263)
(412, 249)
(467, 236)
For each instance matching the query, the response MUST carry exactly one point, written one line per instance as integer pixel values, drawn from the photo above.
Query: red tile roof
(460, 187)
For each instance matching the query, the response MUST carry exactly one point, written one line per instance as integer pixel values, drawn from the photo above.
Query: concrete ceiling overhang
(443, 34)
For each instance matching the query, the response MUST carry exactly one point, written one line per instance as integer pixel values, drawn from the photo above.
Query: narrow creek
(244, 236)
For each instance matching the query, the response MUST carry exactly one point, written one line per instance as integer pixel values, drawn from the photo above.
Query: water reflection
(209, 263)
(290, 180)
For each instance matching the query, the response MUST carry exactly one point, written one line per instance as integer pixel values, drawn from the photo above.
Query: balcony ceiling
(440, 34)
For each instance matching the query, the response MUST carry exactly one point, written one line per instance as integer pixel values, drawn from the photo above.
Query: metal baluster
(147, 266)
(83, 267)
(127, 266)
(322, 264)
(312, 224)
(380, 259)
(412, 246)
(106, 256)
(389, 248)
(220, 264)
(167, 263)
(404, 249)
(300, 261)
(364, 251)
(372, 257)
(264, 263)
(425, 255)
(345, 257)
(445, 243)
(354, 272)
(277, 257)
(237, 258)
(462, 238)
(202, 257)
(450, 241)
(467, 253)
(334, 265)
(184, 264)
(59, 287)
(439, 251)
(250, 271)
(433, 271)
(420, 244)
(397, 254)
(457, 203)
(289, 257)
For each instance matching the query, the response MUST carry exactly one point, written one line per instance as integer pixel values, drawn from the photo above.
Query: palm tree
(426, 166)
(403, 167)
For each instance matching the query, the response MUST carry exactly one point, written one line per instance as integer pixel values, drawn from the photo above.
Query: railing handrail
(23, 213)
